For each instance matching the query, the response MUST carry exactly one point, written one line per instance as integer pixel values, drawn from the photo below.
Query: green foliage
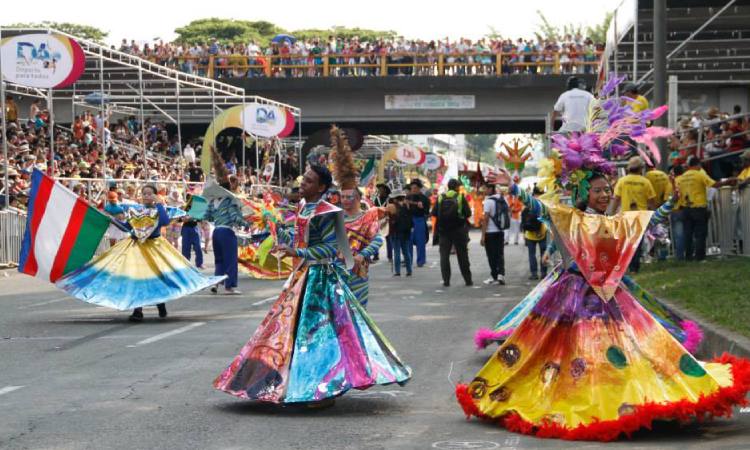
(83, 31)
(481, 147)
(226, 31)
(598, 33)
(230, 31)
(364, 35)
(547, 30)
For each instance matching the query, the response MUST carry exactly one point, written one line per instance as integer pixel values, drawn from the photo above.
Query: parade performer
(225, 211)
(316, 342)
(589, 362)
(362, 227)
(140, 271)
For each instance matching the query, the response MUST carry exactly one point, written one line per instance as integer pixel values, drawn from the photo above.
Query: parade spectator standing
(11, 109)
(661, 184)
(452, 212)
(381, 201)
(639, 103)
(495, 221)
(419, 205)
(400, 232)
(189, 153)
(677, 221)
(191, 239)
(634, 192)
(694, 202)
(535, 235)
(516, 208)
(573, 104)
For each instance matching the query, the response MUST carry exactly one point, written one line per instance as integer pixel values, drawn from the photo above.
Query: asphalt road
(77, 376)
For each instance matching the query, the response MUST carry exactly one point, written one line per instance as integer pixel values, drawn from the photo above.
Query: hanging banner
(433, 161)
(42, 60)
(267, 120)
(410, 155)
(247, 118)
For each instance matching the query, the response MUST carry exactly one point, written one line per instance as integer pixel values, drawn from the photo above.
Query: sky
(146, 20)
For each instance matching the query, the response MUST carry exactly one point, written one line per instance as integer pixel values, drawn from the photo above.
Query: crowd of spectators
(78, 151)
(717, 138)
(355, 57)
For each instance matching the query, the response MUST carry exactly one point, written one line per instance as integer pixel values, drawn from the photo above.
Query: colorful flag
(62, 230)
(368, 173)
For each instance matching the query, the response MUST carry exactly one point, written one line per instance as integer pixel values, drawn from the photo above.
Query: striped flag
(368, 173)
(62, 230)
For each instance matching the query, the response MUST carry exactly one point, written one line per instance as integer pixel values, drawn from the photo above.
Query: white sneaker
(489, 281)
(232, 292)
(501, 280)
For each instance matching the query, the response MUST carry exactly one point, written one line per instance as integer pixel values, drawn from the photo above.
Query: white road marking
(48, 302)
(161, 336)
(266, 300)
(9, 389)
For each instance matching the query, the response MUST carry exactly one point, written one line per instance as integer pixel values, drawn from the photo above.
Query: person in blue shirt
(226, 215)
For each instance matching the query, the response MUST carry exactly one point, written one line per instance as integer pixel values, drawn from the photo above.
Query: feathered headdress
(612, 130)
(344, 171)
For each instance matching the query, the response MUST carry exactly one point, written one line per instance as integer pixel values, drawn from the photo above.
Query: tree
(481, 147)
(82, 31)
(231, 31)
(546, 30)
(226, 31)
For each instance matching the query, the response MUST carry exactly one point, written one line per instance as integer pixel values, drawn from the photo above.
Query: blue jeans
(677, 223)
(419, 239)
(191, 240)
(225, 255)
(533, 265)
(401, 245)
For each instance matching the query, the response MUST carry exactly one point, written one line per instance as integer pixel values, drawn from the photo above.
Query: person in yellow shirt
(661, 184)
(693, 185)
(634, 192)
(744, 176)
(639, 103)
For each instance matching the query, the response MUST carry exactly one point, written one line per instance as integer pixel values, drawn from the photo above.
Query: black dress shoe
(162, 310)
(446, 283)
(137, 315)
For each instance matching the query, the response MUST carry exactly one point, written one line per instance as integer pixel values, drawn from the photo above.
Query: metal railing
(12, 227)
(729, 224)
(383, 64)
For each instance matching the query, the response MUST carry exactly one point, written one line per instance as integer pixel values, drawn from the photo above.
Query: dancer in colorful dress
(687, 332)
(362, 227)
(140, 271)
(589, 362)
(316, 342)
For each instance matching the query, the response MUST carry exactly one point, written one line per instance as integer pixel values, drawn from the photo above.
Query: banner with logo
(410, 155)
(43, 60)
(255, 118)
(433, 161)
(267, 120)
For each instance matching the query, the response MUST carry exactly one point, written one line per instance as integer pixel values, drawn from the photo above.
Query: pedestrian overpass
(395, 105)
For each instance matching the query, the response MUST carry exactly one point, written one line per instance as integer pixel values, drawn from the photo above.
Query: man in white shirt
(573, 104)
(189, 153)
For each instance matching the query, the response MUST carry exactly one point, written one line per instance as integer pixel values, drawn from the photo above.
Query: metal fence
(729, 225)
(12, 226)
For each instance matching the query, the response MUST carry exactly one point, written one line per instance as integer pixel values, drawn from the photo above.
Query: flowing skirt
(134, 274)
(687, 332)
(577, 367)
(249, 262)
(316, 342)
